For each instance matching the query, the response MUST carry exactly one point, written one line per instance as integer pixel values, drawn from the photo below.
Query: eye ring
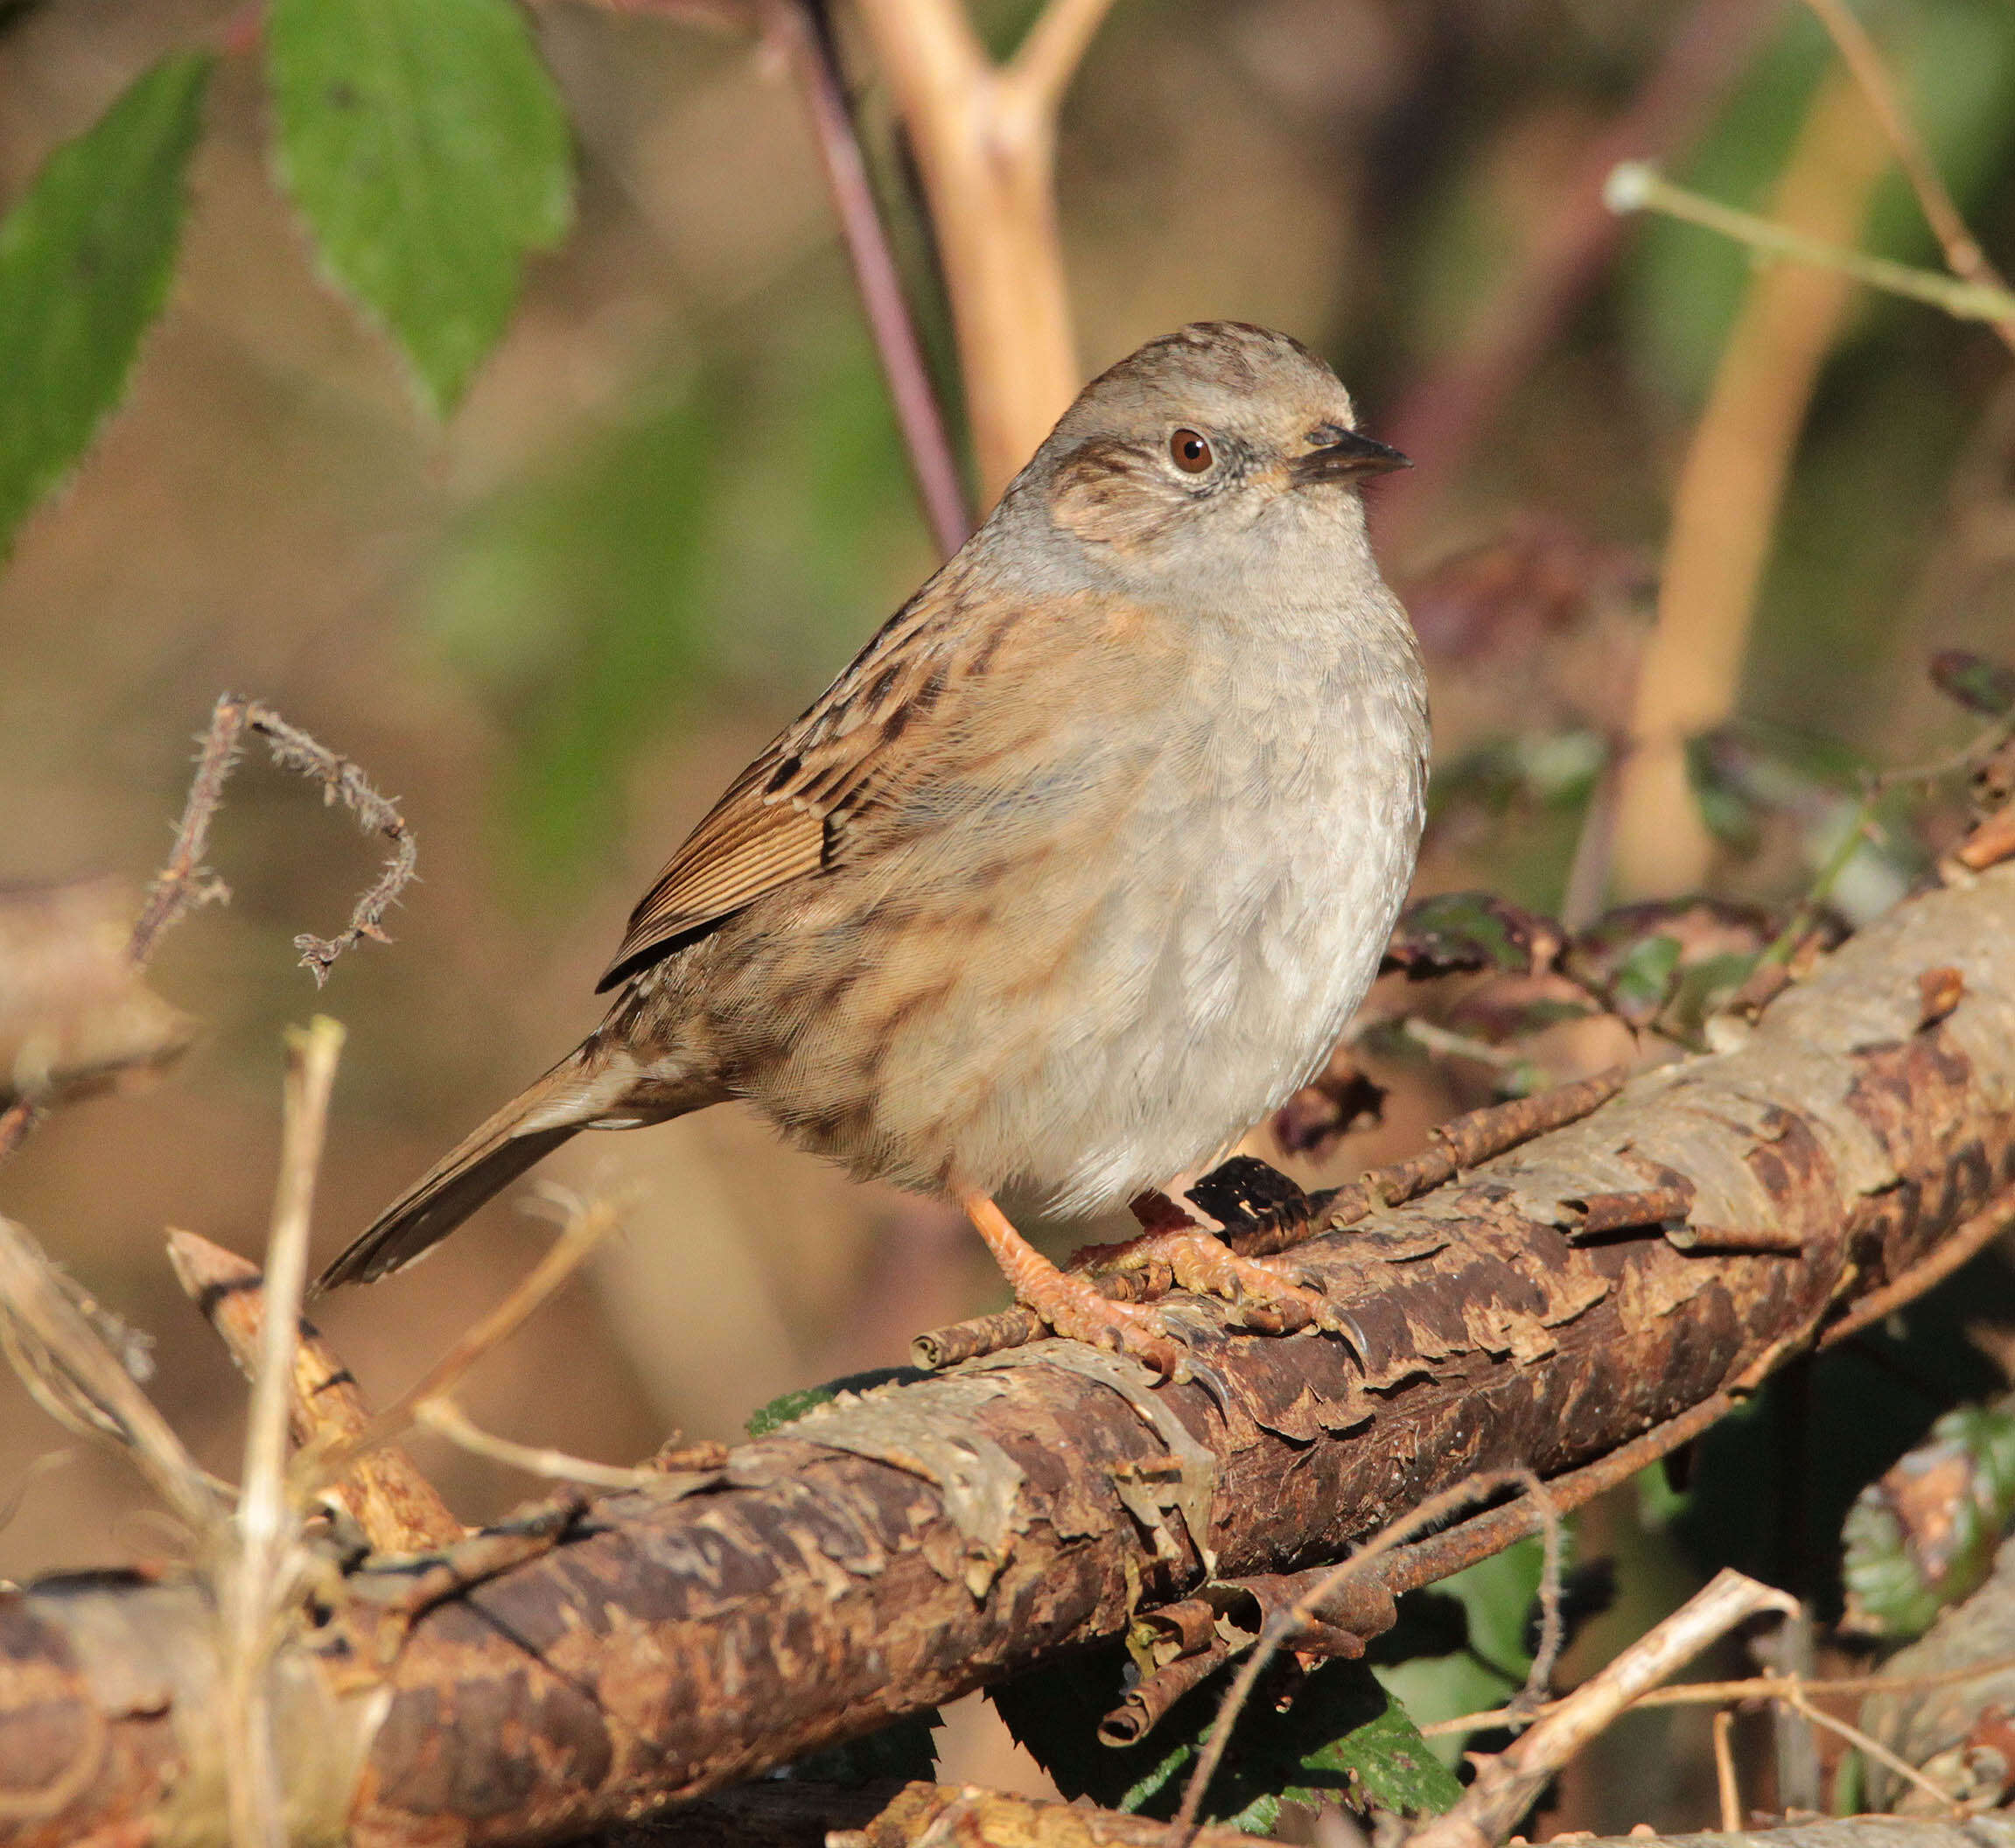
(1191, 452)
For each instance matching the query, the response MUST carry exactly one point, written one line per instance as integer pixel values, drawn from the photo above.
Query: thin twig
(263, 1569)
(1963, 254)
(1874, 1748)
(1292, 1619)
(1726, 1785)
(1750, 1688)
(586, 1226)
(442, 1416)
(73, 1376)
(1636, 187)
(1506, 1784)
(342, 781)
(185, 883)
(801, 30)
(1552, 1624)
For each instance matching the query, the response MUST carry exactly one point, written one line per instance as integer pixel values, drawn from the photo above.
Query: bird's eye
(1190, 452)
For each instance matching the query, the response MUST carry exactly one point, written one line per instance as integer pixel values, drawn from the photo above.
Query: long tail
(591, 1084)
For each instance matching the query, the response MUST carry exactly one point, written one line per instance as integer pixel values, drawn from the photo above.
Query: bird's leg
(1070, 1304)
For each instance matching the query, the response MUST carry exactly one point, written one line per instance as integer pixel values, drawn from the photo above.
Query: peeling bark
(896, 1552)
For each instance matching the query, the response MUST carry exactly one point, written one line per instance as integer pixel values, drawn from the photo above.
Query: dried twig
(342, 781)
(184, 882)
(1794, 1697)
(586, 1227)
(1726, 1787)
(1552, 1624)
(397, 1508)
(1507, 1783)
(1292, 1619)
(264, 1568)
(73, 1376)
(441, 1415)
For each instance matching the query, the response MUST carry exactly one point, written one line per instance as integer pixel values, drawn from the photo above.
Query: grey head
(1220, 433)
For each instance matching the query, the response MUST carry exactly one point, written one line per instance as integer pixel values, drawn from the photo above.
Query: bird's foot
(1264, 1291)
(1072, 1303)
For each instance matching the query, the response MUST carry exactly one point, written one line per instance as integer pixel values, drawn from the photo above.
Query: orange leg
(1070, 1304)
(1203, 1263)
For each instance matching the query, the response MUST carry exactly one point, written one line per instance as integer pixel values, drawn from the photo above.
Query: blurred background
(675, 503)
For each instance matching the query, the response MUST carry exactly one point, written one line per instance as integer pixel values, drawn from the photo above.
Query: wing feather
(771, 827)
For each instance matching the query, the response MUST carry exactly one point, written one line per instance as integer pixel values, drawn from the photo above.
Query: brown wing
(771, 826)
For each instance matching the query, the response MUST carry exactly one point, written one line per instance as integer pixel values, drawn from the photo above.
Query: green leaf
(1922, 1535)
(789, 1407)
(426, 147)
(1343, 1739)
(1454, 932)
(1644, 978)
(85, 260)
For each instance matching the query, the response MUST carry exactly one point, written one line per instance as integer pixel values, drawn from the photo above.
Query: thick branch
(889, 1554)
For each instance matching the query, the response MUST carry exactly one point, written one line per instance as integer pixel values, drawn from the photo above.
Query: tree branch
(885, 1554)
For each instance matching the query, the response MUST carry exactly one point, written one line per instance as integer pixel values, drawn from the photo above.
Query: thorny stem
(1963, 253)
(1634, 186)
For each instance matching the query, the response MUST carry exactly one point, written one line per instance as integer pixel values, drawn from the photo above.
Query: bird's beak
(1350, 459)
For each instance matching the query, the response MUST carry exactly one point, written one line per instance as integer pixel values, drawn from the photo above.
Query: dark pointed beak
(1350, 459)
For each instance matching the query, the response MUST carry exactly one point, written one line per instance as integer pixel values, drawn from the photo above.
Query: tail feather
(588, 1085)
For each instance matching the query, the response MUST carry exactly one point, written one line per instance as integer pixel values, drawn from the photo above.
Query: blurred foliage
(1683, 286)
(596, 608)
(85, 260)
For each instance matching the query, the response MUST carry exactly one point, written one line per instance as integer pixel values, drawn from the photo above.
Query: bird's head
(1206, 432)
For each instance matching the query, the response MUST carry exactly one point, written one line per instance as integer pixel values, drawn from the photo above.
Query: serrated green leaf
(426, 147)
(85, 260)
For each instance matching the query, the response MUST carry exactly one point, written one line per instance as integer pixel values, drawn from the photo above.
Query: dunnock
(1080, 868)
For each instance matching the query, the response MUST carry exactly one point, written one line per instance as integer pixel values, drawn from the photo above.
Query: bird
(1078, 869)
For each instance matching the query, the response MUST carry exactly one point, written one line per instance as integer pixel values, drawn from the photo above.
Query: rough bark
(880, 1556)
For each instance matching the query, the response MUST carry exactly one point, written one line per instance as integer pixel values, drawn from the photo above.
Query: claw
(1070, 1303)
